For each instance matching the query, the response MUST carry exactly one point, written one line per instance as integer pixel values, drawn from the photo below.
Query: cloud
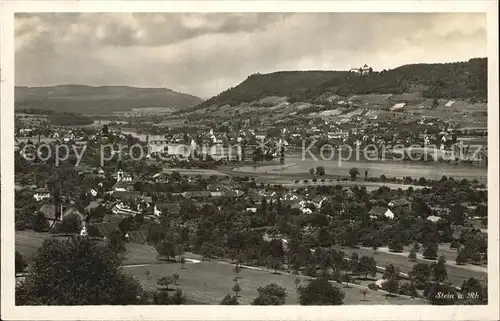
(204, 53)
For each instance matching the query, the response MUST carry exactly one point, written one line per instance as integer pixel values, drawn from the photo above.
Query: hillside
(88, 99)
(283, 83)
(459, 80)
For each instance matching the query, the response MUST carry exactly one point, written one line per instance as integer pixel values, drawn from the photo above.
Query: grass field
(209, 281)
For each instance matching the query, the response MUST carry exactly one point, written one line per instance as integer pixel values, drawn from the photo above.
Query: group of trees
(320, 171)
(63, 272)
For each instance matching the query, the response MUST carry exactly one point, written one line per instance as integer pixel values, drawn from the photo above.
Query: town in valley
(358, 186)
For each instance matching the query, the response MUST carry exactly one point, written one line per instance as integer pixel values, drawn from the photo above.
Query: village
(179, 209)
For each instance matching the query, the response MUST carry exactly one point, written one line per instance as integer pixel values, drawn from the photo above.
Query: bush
(20, 263)
(373, 287)
(408, 289)
(71, 224)
(314, 180)
(39, 223)
(22, 225)
(56, 228)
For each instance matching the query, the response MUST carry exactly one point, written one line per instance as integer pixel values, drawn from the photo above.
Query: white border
(353, 312)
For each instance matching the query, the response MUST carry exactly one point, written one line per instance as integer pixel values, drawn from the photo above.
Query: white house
(41, 195)
(93, 192)
(398, 106)
(389, 214)
(434, 218)
(122, 176)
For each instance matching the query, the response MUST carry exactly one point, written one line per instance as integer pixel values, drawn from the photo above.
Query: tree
(178, 297)
(439, 270)
(395, 245)
(116, 243)
(236, 288)
(473, 292)
(320, 292)
(20, 263)
(390, 271)
(167, 248)
(175, 277)
(237, 270)
(311, 171)
(420, 274)
(430, 251)
(229, 300)
(71, 223)
(416, 246)
(435, 102)
(364, 292)
(440, 294)
(320, 170)
(457, 214)
(391, 285)
(353, 173)
(165, 281)
(271, 294)
(176, 176)
(461, 257)
(297, 282)
(182, 261)
(413, 255)
(39, 223)
(367, 266)
(68, 268)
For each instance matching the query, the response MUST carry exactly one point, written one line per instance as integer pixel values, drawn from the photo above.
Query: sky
(205, 53)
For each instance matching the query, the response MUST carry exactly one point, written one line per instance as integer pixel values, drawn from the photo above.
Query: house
(167, 209)
(49, 212)
(377, 212)
(365, 70)
(251, 209)
(122, 186)
(93, 192)
(121, 176)
(398, 106)
(434, 219)
(260, 135)
(402, 202)
(41, 194)
(114, 219)
(95, 204)
(128, 196)
(120, 208)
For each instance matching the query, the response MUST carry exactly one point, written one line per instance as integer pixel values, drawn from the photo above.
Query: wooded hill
(458, 80)
(88, 99)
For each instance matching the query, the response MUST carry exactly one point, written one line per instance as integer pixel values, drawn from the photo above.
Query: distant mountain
(460, 80)
(101, 99)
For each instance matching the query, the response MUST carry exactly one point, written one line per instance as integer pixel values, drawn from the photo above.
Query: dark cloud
(204, 53)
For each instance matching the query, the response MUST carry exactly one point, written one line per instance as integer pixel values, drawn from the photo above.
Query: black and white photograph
(253, 158)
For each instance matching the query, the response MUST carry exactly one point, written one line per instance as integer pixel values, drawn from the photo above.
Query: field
(295, 165)
(209, 281)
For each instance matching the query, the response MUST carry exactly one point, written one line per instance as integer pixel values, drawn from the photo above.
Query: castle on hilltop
(365, 70)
